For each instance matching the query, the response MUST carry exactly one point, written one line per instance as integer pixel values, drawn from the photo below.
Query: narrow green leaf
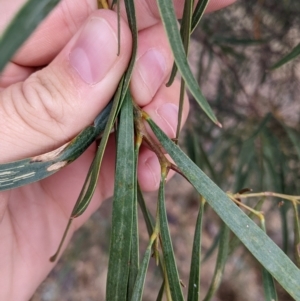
(268, 281)
(237, 41)
(294, 137)
(141, 276)
(287, 58)
(131, 16)
(118, 10)
(198, 13)
(168, 16)
(180, 108)
(231, 51)
(22, 25)
(120, 245)
(220, 264)
(276, 163)
(134, 253)
(168, 252)
(149, 220)
(194, 278)
(161, 292)
(185, 33)
(208, 163)
(269, 286)
(91, 180)
(212, 248)
(273, 159)
(247, 155)
(189, 23)
(26, 171)
(191, 145)
(297, 234)
(284, 227)
(255, 240)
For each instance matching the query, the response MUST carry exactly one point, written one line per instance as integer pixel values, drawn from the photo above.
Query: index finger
(58, 28)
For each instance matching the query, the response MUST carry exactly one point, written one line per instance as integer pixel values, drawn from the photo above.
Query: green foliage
(194, 279)
(123, 207)
(259, 152)
(23, 24)
(220, 264)
(289, 57)
(169, 20)
(258, 243)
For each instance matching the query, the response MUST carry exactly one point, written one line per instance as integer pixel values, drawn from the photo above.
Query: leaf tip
(53, 258)
(219, 124)
(168, 84)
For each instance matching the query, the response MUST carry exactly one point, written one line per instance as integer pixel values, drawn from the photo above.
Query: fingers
(40, 238)
(69, 180)
(14, 73)
(57, 102)
(68, 17)
(161, 103)
(54, 32)
(147, 12)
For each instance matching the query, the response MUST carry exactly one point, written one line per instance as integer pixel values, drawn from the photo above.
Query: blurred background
(258, 148)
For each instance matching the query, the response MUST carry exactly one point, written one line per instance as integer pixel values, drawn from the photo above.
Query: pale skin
(46, 98)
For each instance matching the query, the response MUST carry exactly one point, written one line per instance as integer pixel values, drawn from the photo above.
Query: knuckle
(43, 103)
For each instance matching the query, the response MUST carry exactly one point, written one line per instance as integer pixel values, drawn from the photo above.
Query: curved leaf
(141, 276)
(194, 279)
(221, 261)
(168, 253)
(168, 16)
(290, 56)
(23, 172)
(256, 241)
(22, 25)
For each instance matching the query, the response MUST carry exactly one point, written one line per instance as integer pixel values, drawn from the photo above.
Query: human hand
(55, 86)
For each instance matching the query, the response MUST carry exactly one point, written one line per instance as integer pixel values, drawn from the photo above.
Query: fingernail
(95, 51)
(152, 68)
(168, 112)
(154, 168)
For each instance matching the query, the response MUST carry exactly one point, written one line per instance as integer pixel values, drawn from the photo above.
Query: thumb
(54, 104)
